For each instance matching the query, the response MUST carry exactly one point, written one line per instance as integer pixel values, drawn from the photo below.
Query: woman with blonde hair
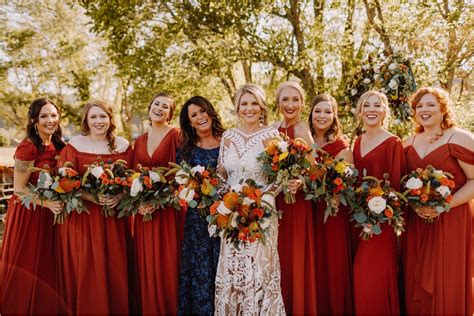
(92, 248)
(248, 278)
(438, 255)
(377, 152)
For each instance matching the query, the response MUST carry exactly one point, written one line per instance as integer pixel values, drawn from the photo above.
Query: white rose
(236, 187)
(187, 194)
(353, 92)
(233, 219)
(414, 184)
(348, 171)
(212, 230)
(366, 81)
(136, 187)
(222, 209)
(154, 177)
(283, 146)
(393, 84)
(62, 171)
(197, 168)
(393, 66)
(437, 172)
(377, 69)
(377, 204)
(248, 201)
(393, 196)
(181, 177)
(97, 172)
(443, 190)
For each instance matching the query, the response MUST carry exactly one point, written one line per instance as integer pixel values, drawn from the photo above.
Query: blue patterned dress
(200, 253)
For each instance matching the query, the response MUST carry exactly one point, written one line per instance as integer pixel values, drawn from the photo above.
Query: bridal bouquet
(284, 159)
(243, 214)
(147, 186)
(106, 178)
(376, 203)
(429, 187)
(196, 187)
(63, 186)
(331, 180)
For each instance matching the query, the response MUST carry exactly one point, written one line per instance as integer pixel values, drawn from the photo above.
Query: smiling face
(322, 116)
(98, 121)
(290, 104)
(199, 119)
(160, 110)
(373, 112)
(249, 109)
(428, 112)
(48, 121)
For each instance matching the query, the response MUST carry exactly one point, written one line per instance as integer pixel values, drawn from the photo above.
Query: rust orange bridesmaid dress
(438, 255)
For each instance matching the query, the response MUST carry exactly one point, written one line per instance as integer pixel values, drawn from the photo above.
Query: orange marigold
(337, 181)
(388, 212)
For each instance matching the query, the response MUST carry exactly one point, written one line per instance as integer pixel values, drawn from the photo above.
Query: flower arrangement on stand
(330, 180)
(63, 186)
(375, 203)
(284, 159)
(429, 187)
(106, 178)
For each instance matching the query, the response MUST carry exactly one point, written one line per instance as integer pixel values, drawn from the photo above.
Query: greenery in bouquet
(148, 186)
(428, 187)
(196, 187)
(330, 180)
(106, 179)
(376, 203)
(284, 159)
(63, 186)
(242, 215)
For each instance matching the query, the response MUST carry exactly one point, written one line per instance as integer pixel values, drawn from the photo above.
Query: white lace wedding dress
(248, 279)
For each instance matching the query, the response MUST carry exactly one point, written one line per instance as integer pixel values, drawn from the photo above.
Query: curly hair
(33, 118)
(188, 134)
(442, 96)
(257, 92)
(104, 106)
(364, 97)
(335, 130)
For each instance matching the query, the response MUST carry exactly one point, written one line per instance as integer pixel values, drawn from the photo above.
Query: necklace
(288, 126)
(436, 136)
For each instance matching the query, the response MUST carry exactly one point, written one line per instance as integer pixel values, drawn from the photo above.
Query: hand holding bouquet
(243, 214)
(330, 180)
(147, 187)
(196, 187)
(376, 203)
(284, 159)
(428, 188)
(106, 179)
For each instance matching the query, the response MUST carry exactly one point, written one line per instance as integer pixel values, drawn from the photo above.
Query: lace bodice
(238, 154)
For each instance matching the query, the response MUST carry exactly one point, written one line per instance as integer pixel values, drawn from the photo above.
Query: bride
(248, 279)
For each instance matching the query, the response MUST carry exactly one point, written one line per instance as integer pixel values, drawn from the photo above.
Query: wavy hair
(107, 108)
(257, 92)
(335, 130)
(363, 98)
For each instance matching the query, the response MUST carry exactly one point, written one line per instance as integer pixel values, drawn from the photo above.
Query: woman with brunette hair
(28, 280)
(296, 235)
(92, 248)
(375, 263)
(333, 237)
(438, 254)
(157, 242)
(201, 132)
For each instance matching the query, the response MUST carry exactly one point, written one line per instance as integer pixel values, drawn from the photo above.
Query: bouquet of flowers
(106, 178)
(284, 159)
(429, 187)
(331, 180)
(243, 214)
(63, 186)
(196, 187)
(375, 203)
(148, 186)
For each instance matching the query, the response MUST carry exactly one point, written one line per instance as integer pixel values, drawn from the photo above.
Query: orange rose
(449, 198)
(275, 159)
(258, 212)
(424, 198)
(451, 184)
(67, 184)
(337, 181)
(105, 181)
(103, 176)
(444, 181)
(205, 174)
(389, 213)
(77, 184)
(118, 180)
(415, 192)
(71, 172)
(230, 199)
(275, 167)
(222, 221)
(214, 206)
(214, 181)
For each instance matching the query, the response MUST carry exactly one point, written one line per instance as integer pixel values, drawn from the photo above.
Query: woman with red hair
(438, 255)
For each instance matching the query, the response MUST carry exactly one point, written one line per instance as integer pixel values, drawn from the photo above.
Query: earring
(36, 129)
(261, 121)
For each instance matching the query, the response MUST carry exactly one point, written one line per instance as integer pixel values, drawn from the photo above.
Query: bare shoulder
(121, 143)
(463, 138)
(77, 141)
(276, 124)
(408, 141)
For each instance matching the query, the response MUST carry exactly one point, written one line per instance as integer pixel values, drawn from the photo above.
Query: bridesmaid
(201, 131)
(158, 242)
(438, 255)
(375, 263)
(296, 236)
(333, 238)
(92, 248)
(28, 280)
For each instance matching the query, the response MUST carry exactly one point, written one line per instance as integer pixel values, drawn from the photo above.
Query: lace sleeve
(221, 172)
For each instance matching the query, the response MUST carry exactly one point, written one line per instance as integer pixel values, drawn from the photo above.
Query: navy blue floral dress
(200, 253)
